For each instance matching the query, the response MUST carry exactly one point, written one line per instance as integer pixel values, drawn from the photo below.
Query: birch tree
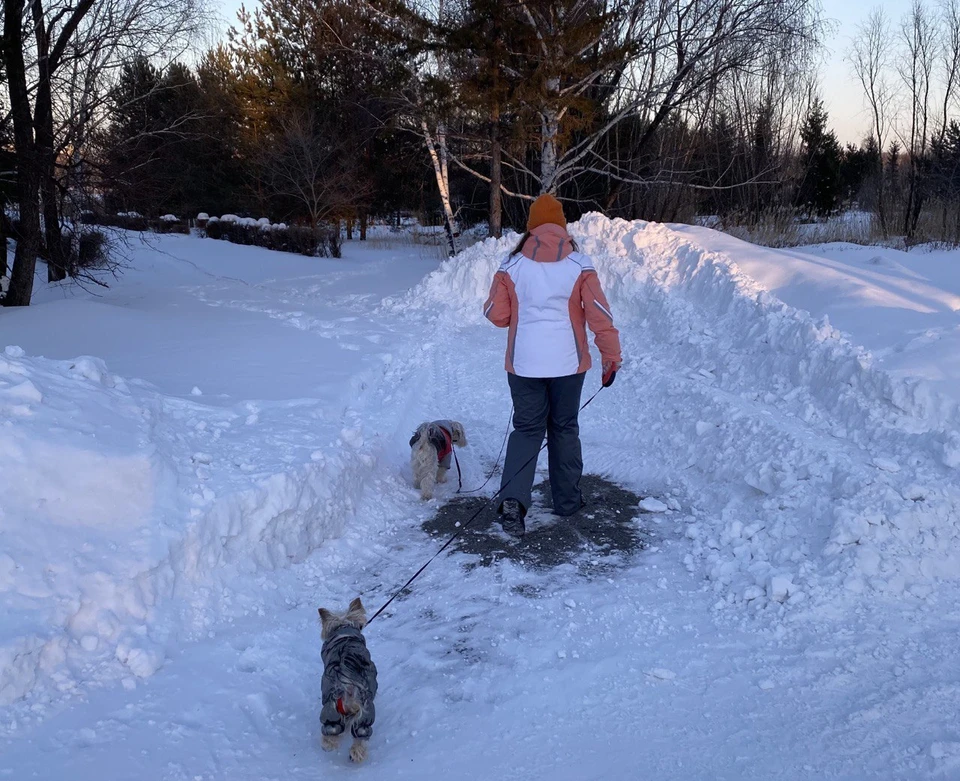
(431, 102)
(589, 68)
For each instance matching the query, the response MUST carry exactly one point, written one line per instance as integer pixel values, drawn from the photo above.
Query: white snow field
(174, 510)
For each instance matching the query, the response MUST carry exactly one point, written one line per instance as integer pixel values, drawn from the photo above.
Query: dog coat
(347, 663)
(438, 434)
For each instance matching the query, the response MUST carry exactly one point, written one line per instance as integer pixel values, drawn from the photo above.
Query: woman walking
(546, 293)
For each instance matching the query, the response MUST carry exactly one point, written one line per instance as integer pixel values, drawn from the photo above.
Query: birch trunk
(437, 147)
(549, 131)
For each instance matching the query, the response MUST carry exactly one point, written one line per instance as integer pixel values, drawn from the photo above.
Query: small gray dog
(349, 681)
(431, 447)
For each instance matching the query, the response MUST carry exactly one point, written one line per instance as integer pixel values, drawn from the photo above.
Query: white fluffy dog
(431, 447)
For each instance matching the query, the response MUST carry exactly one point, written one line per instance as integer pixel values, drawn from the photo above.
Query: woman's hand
(610, 369)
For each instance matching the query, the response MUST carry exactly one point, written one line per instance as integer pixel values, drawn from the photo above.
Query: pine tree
(945, 164)
(483, 62)
(150, 116)
(820, 161)
(893, 164)
(762, 161)
(328, 59)
(217, 177)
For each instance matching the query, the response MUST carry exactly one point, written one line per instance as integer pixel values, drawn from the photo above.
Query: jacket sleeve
(497, 307)
(600, 319)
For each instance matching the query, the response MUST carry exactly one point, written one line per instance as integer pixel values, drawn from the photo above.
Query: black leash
(506, 435)
(474, 517)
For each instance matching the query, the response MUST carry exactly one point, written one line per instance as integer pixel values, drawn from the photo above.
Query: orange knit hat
(546, 209)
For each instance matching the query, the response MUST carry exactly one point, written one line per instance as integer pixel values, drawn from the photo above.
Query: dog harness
(440, 438)
(443, 444)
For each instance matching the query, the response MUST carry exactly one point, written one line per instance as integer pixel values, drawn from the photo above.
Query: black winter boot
(511, 517)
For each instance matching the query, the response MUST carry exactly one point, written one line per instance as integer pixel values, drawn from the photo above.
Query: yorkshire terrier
(431, 448)
(349, 681)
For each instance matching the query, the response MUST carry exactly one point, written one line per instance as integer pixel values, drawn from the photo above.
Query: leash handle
(474, 517)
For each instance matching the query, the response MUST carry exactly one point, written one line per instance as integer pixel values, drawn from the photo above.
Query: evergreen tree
(945, 163)
(820, 161)
(148, 123)
(217, 177)
(722, 143)
(871, 189)
(173, 138)
(893, 166)
(328, 59)
(854, 170)
(762, 162)
(482, 51)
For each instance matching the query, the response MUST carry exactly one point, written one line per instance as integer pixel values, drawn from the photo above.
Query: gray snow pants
(545, 405)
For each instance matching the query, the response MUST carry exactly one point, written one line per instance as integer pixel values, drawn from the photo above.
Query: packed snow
(177, 507)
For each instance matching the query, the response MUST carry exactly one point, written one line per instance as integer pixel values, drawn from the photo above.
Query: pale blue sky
(841, 93)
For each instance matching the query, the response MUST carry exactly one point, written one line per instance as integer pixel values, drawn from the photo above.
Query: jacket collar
(548, 244)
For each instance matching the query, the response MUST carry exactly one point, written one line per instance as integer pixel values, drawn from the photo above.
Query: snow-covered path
(772, 629)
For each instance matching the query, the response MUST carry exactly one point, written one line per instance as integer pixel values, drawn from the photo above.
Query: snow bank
(456, 291)
(815, 471)
(645, 265)
(115, 524)
(903, 307)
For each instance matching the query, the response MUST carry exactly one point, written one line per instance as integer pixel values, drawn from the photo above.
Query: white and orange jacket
(547, 294)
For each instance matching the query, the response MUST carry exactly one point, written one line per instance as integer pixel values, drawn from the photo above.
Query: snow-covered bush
(260, 233)
(214, 228)
(165, 225)
(130, 221)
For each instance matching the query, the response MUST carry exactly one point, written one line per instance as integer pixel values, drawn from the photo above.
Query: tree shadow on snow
(602, 536)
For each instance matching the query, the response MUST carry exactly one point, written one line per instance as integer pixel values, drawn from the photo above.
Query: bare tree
(589, 69)
(68, 39)
(949, 51)
(870, 57)
(52, 36)
(431, 108)
(308, 165)
(28, 167)
(915, 68)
